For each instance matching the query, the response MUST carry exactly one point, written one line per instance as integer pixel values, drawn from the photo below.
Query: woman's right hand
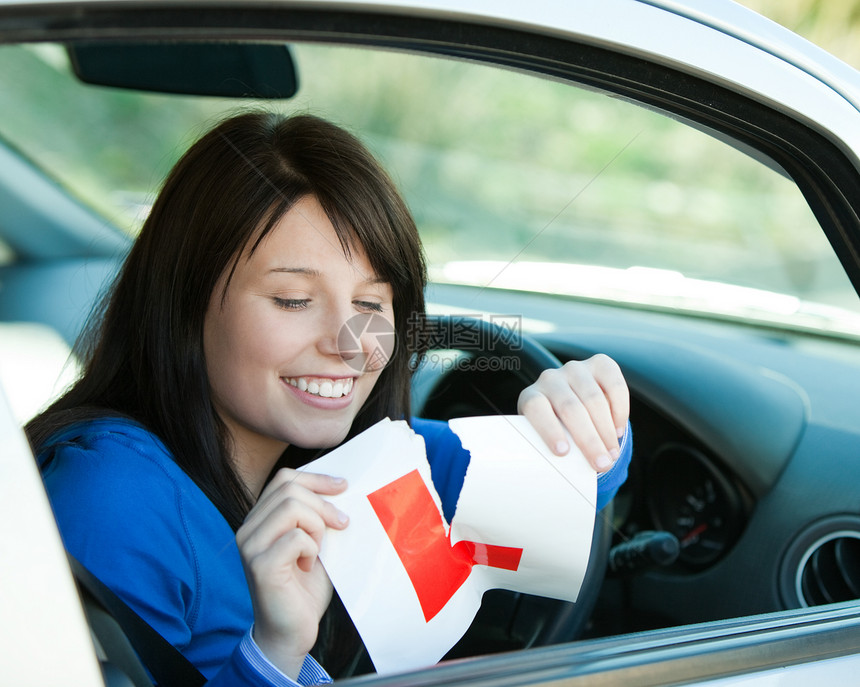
(279, 543)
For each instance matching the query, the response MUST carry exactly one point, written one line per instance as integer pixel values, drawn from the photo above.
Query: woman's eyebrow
(307, 271)
(310, 272)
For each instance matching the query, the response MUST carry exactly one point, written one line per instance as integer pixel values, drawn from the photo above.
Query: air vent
(830, 570)
(822, 565)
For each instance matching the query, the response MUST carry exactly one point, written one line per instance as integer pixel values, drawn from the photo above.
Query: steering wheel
(481, 371)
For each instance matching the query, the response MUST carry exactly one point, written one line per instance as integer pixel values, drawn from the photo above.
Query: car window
(516, 182)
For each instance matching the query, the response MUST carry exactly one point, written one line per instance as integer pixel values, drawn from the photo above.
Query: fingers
(266, 559)
(279, 543)
(288, 506)
(609, 377)
(589, 399)
(263, 527)
(315, 482)
(305, 486)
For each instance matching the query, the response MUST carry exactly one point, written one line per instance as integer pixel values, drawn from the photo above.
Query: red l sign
(436, 569)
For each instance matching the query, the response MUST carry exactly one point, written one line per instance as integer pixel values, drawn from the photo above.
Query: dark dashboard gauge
(689, 497)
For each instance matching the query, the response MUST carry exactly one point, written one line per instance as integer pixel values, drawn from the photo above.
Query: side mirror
(232, 70)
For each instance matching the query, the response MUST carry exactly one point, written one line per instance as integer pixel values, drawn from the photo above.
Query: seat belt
(164, 662)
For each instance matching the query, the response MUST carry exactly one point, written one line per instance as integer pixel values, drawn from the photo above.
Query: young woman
(213, 373)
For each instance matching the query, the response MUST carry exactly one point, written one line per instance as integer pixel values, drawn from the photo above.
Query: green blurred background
(832, 24)
(494, 164)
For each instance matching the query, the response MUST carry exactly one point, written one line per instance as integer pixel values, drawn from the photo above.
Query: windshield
(516, 182)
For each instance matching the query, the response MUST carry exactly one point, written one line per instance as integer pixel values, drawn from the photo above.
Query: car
(673, 184)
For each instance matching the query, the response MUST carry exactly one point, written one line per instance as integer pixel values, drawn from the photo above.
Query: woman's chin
(322, 438)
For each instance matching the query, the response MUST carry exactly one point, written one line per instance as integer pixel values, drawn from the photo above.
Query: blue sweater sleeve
(610, 481)
(139, 524)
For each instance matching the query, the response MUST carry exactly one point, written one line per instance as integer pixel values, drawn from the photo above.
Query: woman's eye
(369, 305)
(292, 303)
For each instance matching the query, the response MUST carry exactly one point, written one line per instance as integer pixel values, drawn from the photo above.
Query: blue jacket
(132, 516)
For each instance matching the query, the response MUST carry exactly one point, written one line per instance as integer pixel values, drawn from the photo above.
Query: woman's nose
(365, 341)
(336, 336)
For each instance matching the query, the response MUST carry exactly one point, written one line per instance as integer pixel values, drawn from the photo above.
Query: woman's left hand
(587, 398)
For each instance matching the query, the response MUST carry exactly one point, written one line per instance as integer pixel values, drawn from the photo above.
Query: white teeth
(325, 388)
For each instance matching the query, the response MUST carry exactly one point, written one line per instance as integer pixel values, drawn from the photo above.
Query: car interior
(586, 204)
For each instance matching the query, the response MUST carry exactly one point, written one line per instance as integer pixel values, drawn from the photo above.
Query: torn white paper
(523, 522)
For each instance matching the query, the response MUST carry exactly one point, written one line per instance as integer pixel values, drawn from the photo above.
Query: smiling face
(277, 372)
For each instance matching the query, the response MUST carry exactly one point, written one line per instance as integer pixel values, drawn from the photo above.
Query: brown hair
(143, 354)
